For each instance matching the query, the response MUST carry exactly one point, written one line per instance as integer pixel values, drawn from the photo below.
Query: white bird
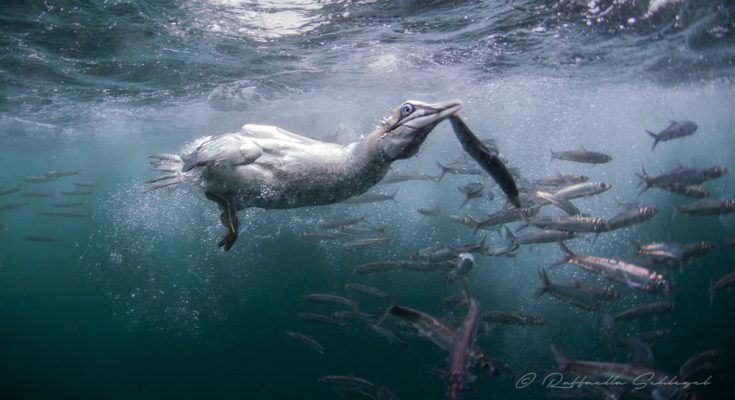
(268, 167)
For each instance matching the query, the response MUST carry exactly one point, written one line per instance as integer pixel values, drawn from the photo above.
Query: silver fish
(697, 191)
(76, 192)
(429, 211)
(631, 275)
(36, 179)
(84, 184)
(661, 251)
(13, 206)
(339, 223)
(460, 352)
(673, 131)
(319, 318)
(631, 217)
(367, 198)
(471, 190)
(722, 283)
(307, 340)
(656, 308)
(603, 293)
(321, 235)
(680, 176)
(571, 223)
(5, 190)
(400, 176)
(708, 207)
(561, 180)
(582, 156)
(582, 190)
(366, 243)
(544, 236)
(329, 298)
(36, 194)
(502, 317)
(561, 202)
(567, 293)
(41, 238)
(369, 290)
(70, 214)
(464, 264)
(60, 174)
(690, 365)
(487, 158)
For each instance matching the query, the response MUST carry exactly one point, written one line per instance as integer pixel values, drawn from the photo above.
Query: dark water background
(137, 302)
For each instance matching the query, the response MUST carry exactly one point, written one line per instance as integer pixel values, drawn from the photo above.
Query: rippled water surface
(127, 295)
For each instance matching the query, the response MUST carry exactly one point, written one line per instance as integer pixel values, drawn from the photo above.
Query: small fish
(321, 235)
(86, 183)
(429, 211)
(401, 176)
(346, 381)
(692, 250)
(457, 168)
(471, 190)
(708, 207)
(582, 156)
(328, 298)
(697, 191)
(673, 131)
(460, 352)
(582, 190)
(70, 214)
(463, 265)
(561, 202)
(722, 283)
(41, 238)
(319, 318)
(378, 266)
(631, 217)
(690, 365)
(599, 371)
(567, 293)
(339, 223)
(603, 293)
(13, 206)
(307, 340)
(354, 316)
(505, 216)
(387, 334)
(369, 290)
(544, 236)
(60, 174)
(76, 192)
(629, 274)
(367, 198)
(366, 243)
(571, 223)
(508, 318)
(656, 308)
(661, 251)
(5, 190)
(561, 180)
(36, 179)
(651, 335)
(680, 176)
(67, 204)
(487, 158)
(36, 194)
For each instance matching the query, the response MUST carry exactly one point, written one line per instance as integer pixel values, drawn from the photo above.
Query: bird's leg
(228, 219)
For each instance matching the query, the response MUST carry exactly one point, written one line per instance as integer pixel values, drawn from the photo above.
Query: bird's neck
(367, 163)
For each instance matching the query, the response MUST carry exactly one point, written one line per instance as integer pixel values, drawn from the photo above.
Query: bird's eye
(406, 109)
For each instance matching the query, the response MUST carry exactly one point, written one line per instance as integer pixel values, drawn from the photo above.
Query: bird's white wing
(224, 150)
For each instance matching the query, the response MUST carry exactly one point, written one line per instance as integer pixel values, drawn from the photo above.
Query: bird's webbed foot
(228, 219)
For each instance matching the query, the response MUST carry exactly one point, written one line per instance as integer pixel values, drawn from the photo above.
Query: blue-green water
(136, 301)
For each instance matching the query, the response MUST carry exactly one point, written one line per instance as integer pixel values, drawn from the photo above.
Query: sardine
(460, 352)
(76, 192)
(708, 207)
(657, 308)
(697, 191)
(690, 365)
(70, 214)
(463, 265)
(471, 190)
(366, 243)
(84, 184)
(680, 176)
(36, 194)
(582, 155)
(722, 283)
(339, 223)
(631, 275)
(544, 236)
(561, 180)
(60, 174)
(369, 290)
(673, 131)
(692, 250)
(631, 217)
(351, 315)
(603, 293)
(582, 190)
(307, 340)
(567, 293)
(13, 206)
(319, 318)
(457, 168)
(36, 179)
(561, 202)
(651, 335)
(377, 266)
(661, 251)
(387, 334)
(400, 176)
(429, 211)
(571, 223)
(5, 190)
(487, 158)
(328, 298)
(367, 198)
(509, 318)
